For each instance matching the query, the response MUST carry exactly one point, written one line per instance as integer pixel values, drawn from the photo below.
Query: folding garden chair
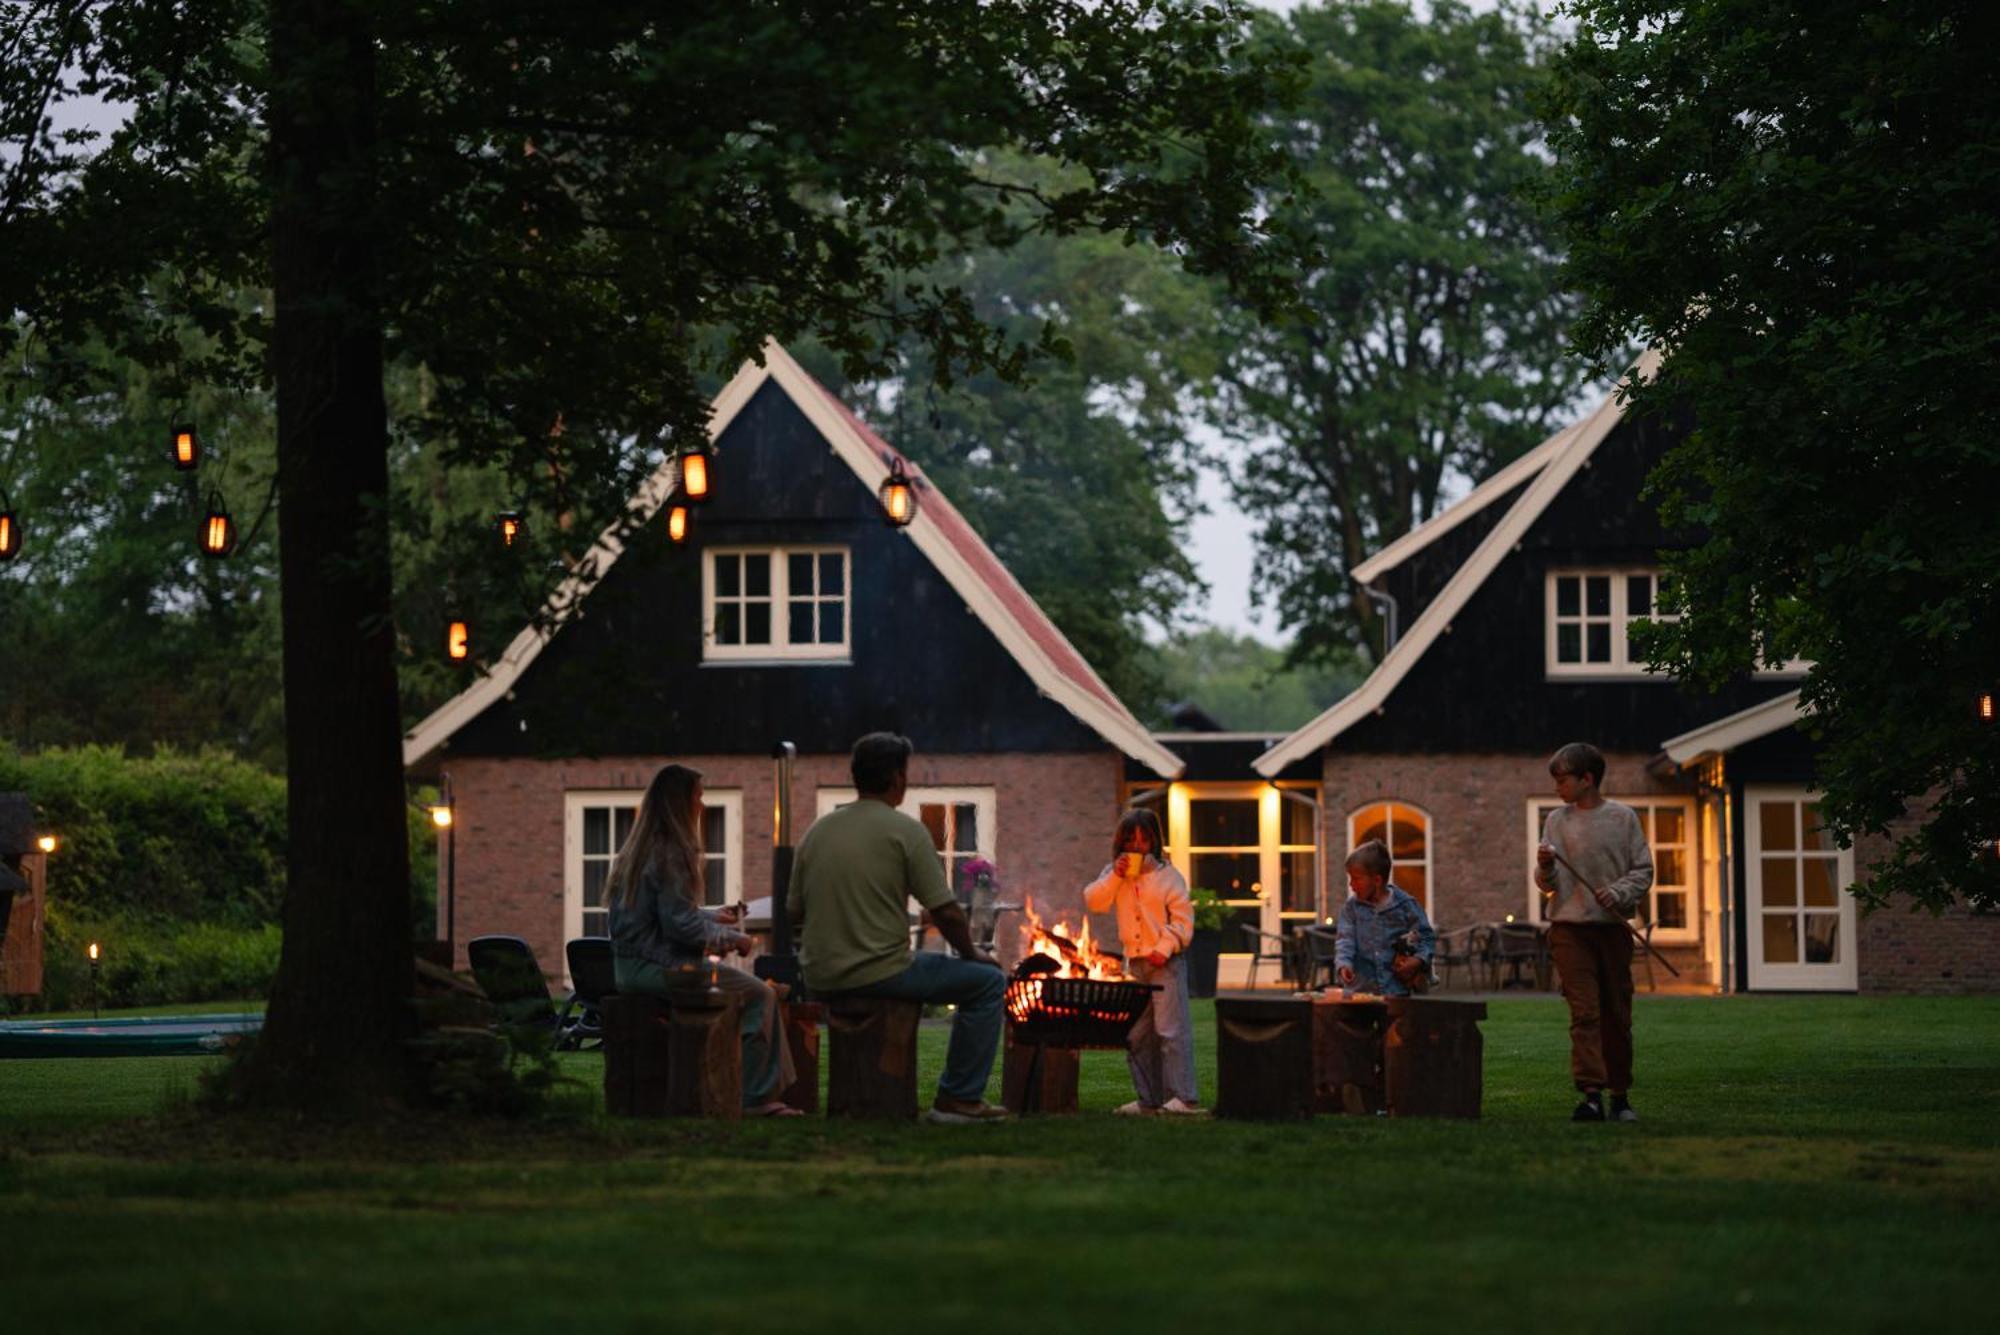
(591, 979)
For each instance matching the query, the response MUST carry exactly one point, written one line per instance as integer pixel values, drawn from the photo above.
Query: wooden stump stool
(1263, 1057)
(873, 1066)
(1039, 1079)
(1432, 1056)
(1347, 1056)
(635, 1056)
(678, 1059)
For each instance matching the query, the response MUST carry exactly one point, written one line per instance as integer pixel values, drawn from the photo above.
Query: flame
(1078, 954)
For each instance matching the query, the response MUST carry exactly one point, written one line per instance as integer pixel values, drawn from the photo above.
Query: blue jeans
(978, 990)
(1160, 1048)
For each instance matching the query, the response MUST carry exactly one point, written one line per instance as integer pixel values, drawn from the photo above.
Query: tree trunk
(340, 1009)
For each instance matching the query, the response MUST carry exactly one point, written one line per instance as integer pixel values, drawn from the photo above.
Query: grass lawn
(1811, 1164)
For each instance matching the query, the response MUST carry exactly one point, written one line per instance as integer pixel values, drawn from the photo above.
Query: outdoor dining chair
(1321, 941)
(1515, 944)
(1469, 948)
(1290, 953)
(591, 979)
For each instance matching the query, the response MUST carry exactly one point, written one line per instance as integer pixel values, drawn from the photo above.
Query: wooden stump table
(1263, 1057)
(1403, 1056)
(1037, 1078)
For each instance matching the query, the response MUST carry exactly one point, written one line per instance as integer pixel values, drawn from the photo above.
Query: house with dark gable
(1515, 607)
(791, 612)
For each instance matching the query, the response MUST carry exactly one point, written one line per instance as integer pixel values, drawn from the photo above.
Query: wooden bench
(872, 1069)
(678, 1058)
(1263, 1057)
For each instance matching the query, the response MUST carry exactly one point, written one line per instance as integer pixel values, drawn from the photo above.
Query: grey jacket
(661, 923)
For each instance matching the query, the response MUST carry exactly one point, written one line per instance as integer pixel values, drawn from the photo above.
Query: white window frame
(984, 800)
(1689, 888)
(1430, 899)
(780, 649)
(1619, 619)
(576, 800)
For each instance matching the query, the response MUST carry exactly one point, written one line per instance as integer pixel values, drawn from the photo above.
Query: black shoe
(1590, 1110)
(1621, 1109)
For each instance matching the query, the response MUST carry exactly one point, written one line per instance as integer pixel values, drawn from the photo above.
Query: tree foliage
(565, 216)
(1247, 685)
(1429, 342)
(1796, 203)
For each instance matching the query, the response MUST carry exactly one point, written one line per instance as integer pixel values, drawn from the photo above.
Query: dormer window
(1589, 621)
(775, 603)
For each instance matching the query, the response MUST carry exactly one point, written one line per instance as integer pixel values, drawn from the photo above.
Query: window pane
(1373, 825)
(1295, 822)
(1597, 595)
(756, 623)
(801, 627)
(1215, 822)
(729, 623)
(1668, 867)
(596, 831)
(596, 922)
(1297, 885)
(1822, 938)
(714, 828)
(1776, 826)
(1231, 875)
(1414, 882)
(1638, 595)
(622, 818)
(1569, 596)
(1781, 938)
(1407, 825)
(832, 573)
(964, 827)
(1817, 877)
(829, 622)
(932, 816)
(1569, 644)
(1667, 823)
(1241, 933)
(799, 573)
(1599, 639)
(757, 575)
(594, 875)
(715, 880)
(1816, 836)
(1781, 887)
(1670, 910)
(728, 576)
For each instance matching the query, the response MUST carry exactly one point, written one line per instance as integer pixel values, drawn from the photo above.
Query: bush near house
(175, 862)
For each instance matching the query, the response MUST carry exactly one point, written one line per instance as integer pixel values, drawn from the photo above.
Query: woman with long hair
(1155, 924)
(659, 926)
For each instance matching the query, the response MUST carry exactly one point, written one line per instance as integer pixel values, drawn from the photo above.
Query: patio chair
(591, 979)
(507, 972)
(1515, 944)
(1468, 948)
(1290, 952)
(1320, 943)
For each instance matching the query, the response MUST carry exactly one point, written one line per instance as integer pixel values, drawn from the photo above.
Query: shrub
(154, 964)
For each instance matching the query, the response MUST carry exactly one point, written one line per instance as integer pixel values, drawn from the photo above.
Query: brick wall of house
(1904, 951)
(1478, 809)
(1053, 819)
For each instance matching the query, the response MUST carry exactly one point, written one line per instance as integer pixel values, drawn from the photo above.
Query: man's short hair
(1579, 758)
(878, 758)
(1371, 856)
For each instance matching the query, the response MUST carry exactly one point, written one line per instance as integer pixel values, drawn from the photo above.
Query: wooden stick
(1637, 935)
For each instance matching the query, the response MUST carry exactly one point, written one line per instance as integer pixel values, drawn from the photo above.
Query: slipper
(773, 1109)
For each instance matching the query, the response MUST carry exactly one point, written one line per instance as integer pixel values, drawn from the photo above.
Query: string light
(218, 530)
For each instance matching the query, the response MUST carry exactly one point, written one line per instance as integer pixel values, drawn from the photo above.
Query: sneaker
(1135, 1109)
(1621, 1109)
(1590, 1110)
(963, 1112)
(1180, 1108)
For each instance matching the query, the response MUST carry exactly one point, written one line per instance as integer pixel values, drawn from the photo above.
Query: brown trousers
(1595, 962)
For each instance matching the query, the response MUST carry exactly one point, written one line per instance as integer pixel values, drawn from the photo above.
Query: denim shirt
(661, 925)
(1367, 939)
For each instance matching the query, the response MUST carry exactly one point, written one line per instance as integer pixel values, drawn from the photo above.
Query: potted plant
(1211, 915)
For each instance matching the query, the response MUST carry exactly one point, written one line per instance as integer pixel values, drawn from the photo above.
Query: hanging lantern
(697, 473)
(184, 448)
(10, 530)
(899, 496)
(441, 810)
(458, 641)
(1985, 706)
(677, 520)
(510, 523)
(218, 530)
(47, 843)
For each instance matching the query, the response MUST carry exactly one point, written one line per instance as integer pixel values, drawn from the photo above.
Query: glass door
(1801, 918)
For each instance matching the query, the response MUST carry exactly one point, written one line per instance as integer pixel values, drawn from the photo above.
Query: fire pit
(1065, 995)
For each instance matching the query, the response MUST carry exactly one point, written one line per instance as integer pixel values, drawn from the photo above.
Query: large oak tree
(565, 214)
(1794, 199)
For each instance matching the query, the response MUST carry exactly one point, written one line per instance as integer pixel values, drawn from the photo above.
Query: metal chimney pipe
(781, 964)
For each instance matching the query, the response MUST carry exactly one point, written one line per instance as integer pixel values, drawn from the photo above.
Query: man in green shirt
(852, 877)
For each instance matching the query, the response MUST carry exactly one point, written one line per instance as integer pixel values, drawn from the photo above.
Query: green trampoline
(139, 1036)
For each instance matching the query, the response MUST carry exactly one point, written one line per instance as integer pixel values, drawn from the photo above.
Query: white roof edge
(1726, 734)
(1124, 733)
(1481, 496)
(1465, 581)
